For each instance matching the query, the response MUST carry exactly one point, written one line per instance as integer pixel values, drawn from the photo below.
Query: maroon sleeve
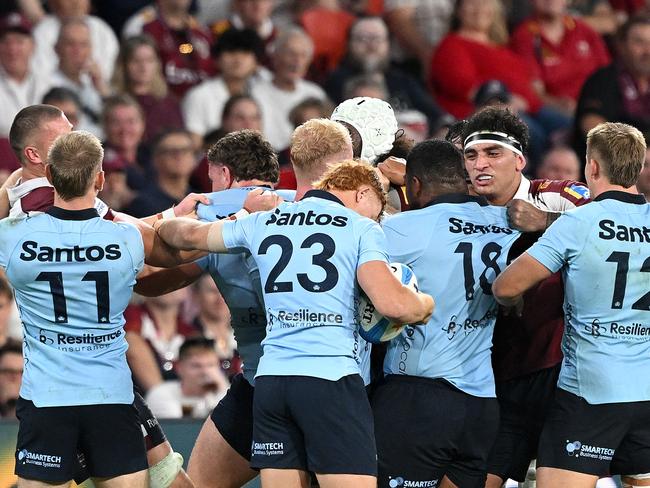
(38, 200)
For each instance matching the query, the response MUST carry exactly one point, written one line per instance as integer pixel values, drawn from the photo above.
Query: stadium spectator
(417, 26)
(292, 53)
(173, 160)
(239, 112)
(250, 14)
(123, 122)
(310, 108)
(560, 163)
(11, 375)
(564, 50)
(68, 102)
(236, 56)
(368, 53)
(138, 72)
(213, 320)
(199, 387)
(20, 83)
(183, 44)
(102, 39)
(621, 91)
(76, 69)
(158, 321)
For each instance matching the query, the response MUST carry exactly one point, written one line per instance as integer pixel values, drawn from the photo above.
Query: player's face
(495, 171)
(44, 138)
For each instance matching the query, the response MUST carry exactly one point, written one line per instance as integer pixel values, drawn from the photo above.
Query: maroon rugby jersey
(523, 345)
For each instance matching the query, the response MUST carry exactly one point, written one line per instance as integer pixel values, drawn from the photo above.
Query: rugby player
(73, 274)
(600, 419)
(222, 453)
(311, 412)
(526, 354)
(441, 374)
(30, 193)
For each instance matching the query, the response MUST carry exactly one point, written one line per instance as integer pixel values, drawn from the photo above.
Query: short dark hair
(234, 100)
(165, 133)
(27, 122)
(438, 165)
(5, 288)
(11, 346)
(248, 156)
(62, 94)
(197, 343)
(455, 132)
(496, 119)
(624, 30)
(239, 40)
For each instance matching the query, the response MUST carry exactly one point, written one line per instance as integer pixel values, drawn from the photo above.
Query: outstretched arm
(155, 282)
(392, 299)
(188, 234)
(520, 275)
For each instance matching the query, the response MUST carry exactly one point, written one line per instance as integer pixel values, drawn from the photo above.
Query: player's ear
(521, 163)
(593, 168)
(48, 173)
(100, 179)
(362, 192)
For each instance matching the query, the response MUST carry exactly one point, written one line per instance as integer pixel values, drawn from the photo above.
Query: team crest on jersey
(577, 191)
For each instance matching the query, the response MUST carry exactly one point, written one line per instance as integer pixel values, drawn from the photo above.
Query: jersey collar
(458, 198)
(63, 214)
(621, 196)
(324, 195)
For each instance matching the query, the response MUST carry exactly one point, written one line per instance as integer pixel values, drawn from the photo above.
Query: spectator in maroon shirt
(138, 72)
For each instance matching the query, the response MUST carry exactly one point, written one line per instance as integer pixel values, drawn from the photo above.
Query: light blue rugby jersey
(308, 254)
(73, 274)
(456, 246)
(603, 250)
(238, 279)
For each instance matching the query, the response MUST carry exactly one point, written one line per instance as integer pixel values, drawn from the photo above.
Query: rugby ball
(373, 326)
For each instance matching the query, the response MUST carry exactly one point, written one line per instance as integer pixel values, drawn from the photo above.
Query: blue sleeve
(135, 245)
(561, 241)
(239, 233)
(203, 263)
(10, 236)
(372, 243)
(402, 248)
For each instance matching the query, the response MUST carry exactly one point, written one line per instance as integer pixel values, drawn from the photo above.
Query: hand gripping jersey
(73, 275)
(308, 254)
(603, 251)
(456, 246)
(530, 343)
(237, 278)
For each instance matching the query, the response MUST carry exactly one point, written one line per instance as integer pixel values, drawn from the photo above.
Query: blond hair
(313, 142)
(351, 175)
(74, 158)
(620, 149)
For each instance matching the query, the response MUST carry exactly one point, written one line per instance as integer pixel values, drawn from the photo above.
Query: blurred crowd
(160, 82)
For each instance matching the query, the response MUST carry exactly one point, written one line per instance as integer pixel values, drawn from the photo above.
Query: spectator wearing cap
(102, 38)
(563, 49)
(368, 54)
(236, 56)
(291, 55)
(138, 72)
(20, 84)
(183, 44)
(199, 387)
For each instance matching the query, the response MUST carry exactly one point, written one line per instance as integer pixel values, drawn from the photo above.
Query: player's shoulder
(574, 192)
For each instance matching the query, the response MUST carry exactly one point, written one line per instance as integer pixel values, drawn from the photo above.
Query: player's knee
(634, 480)
(163, 473)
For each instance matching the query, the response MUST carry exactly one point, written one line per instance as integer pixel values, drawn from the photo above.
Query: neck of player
(79, 203)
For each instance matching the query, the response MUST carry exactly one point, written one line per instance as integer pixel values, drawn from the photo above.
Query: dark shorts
(427, 428)
(611, 438)
(524, 404)
(233, 416)
(312, 424)
(109, 437)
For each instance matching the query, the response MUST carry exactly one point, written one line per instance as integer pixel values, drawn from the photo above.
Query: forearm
(158, 282)
(188, 234)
